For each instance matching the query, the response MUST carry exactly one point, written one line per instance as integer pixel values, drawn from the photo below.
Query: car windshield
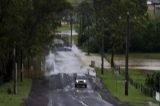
(81, 77)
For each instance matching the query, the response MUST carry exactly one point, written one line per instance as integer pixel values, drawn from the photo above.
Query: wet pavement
(63, 93)
(86, 59)
(57, 87)
(61, 68)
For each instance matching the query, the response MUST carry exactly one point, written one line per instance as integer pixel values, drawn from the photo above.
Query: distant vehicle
(81, 81)
(67, 48)
(70, 45)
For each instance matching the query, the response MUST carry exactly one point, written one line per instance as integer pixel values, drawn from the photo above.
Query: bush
(153, 81)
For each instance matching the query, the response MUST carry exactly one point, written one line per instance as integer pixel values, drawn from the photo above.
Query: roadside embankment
(8, 99)
(115, 85)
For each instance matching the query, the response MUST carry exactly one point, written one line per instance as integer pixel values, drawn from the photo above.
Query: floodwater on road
(134, 63)
(67, 33)
(144, 64)
(63, 93)
(63, 62)
(60, 69)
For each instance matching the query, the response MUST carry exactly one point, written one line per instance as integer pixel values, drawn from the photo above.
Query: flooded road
(144, 64)
(67, 33)
(61, 68)
(63, 62)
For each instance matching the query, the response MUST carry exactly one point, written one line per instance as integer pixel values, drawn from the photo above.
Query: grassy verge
(75, 2)
(116, 88)
(11, 99)
(138, 75)
(64, 27)
(138, 55)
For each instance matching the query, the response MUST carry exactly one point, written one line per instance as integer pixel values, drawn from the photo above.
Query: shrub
(153, 81)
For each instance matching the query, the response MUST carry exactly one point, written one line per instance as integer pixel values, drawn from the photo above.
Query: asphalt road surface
(61, 68)
(63, 93)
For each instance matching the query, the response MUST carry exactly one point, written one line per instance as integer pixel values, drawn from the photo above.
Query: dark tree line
(109, 17)
(30, 25)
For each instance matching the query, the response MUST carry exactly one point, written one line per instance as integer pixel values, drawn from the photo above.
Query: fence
(145, 90)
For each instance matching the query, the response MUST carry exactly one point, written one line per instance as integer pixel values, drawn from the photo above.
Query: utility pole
(71, 22)
(102, 54)
(126, 58)
(14, 70)
(80, 31)
(88, 41)
(154, 6)
(21, 65)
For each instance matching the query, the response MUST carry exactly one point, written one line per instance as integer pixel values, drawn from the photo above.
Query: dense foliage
(110, 18)
(153, 81)
(30, 26)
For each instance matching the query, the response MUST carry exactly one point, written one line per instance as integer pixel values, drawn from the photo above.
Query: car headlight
(76, 81)
(84, 81)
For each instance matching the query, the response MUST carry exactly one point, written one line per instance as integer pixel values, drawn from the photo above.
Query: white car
(91, 71)
(67, 49)
(81, 81)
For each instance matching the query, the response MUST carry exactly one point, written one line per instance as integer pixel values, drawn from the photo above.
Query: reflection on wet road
(60, 69)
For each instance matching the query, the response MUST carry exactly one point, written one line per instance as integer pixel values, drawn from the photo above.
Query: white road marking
(62, 75)
(50, 99)
(50, 102)
(81, 102)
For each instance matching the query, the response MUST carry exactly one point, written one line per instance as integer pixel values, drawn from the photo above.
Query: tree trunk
(28, 65)
(112, 58)
(8, 68)
(88, 49)
(21, 63)
(102, 54)
(71, 28)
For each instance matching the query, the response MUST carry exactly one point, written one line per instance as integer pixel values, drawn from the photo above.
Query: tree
(153, 81)
(85, 11)
(116, 17)
(29, 23)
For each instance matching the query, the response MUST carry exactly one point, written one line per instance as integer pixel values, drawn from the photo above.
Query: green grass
(154, 17)
(145, 55)
(139, 75)
(75, 2)
(11, 99)
(64, 27)
(116, 88)
(138, 55)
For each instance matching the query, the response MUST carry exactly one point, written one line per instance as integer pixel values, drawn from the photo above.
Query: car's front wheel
(85, 86)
